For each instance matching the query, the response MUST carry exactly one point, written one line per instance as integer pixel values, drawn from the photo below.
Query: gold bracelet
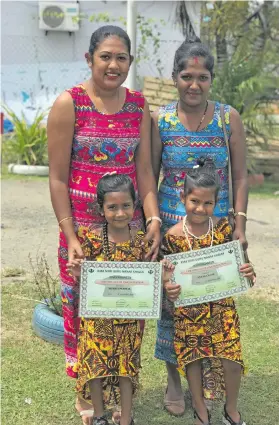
(241, 213)
(148, 221)
(64, 219)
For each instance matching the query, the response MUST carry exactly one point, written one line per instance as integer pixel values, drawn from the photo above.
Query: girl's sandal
(227, 420)
(116, 416)
(102, 420)
(131, 423)
(196, 416)
(116, 419)
(87, 415)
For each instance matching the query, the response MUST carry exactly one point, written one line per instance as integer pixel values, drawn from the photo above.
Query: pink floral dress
(102, 143)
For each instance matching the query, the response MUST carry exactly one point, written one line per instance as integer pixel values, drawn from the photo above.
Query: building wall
(36, 67)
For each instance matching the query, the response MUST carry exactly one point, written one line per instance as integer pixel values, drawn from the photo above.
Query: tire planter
(48, 325)
(29, 170)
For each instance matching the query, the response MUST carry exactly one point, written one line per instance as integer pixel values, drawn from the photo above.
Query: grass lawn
(33, 369)
(265, 191)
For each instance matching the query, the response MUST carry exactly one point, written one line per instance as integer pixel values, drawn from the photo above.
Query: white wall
(37, 67)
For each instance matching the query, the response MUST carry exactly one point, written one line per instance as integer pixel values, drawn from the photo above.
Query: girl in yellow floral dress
(207, 336)
(109, 349)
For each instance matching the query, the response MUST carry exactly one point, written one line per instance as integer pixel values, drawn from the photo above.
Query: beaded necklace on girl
(120, 339)
(201, 330)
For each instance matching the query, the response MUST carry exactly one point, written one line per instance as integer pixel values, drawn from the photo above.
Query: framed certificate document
(124, 290)
(209, 274)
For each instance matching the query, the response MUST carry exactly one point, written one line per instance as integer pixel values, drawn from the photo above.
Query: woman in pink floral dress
(94, 128)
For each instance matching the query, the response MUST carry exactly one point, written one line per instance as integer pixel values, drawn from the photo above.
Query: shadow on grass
(33, 369)
(258, 403)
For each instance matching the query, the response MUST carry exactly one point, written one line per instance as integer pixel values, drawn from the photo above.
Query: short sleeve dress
(109, 348)
(210, 331)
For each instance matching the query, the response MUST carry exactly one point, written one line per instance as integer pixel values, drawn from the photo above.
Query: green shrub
(27, 144)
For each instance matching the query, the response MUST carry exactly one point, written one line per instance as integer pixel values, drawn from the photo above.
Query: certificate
(209, 274)
(125, 290)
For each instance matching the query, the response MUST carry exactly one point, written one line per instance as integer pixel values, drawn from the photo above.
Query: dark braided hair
(114, 183)
(108, 31)
(189, 49)
(204, 176)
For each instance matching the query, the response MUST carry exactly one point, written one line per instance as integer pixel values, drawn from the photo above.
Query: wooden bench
(159, 92)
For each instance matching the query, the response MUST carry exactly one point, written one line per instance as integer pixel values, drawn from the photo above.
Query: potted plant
(26, 146)
(47, 320)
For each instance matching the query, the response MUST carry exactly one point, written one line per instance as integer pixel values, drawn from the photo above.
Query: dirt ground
(29, 226)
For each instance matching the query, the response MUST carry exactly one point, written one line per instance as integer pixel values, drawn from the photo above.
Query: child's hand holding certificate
(209, 274)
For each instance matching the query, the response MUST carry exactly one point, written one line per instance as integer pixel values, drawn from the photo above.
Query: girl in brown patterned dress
(109, 349)
(207, 336)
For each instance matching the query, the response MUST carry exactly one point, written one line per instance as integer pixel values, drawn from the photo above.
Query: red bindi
(196, 59)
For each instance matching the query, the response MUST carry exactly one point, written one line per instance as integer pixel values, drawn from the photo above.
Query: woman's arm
(156, 146)
(60, 131)
(239, 175)
(146, 182)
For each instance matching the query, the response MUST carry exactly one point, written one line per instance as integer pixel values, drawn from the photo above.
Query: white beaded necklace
(187, 232)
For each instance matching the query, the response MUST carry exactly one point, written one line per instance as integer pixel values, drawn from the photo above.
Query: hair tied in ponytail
(202, 175)
(192, 40)
(191, 48)
(201, 162)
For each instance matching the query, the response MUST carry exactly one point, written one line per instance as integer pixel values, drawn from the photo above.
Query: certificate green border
(109, 266)
(199, 254)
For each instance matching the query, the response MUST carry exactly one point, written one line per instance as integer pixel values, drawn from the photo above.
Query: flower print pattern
(181, 149)
(110, 148)
(208, 331)
(122, 157)
(130, 154)
(98, 139)
(169, 120)
(109, 348)
(100, 156)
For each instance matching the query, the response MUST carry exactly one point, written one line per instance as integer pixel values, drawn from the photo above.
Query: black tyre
(48, 325)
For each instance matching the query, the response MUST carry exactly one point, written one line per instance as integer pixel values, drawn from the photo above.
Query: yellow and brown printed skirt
(209, 332)
(108, 349)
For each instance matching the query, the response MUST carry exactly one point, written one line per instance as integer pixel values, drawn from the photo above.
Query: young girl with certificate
(109, 349)
(207, 336)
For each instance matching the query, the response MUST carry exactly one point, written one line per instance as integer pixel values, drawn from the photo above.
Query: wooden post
(132, 33)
